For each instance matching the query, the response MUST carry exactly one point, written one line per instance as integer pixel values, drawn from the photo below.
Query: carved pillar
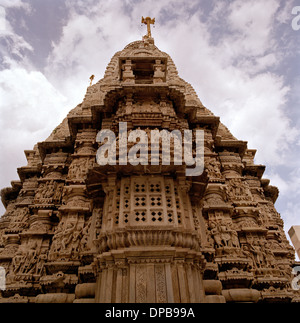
(127, 72)
(140, 277)
(70, 242)
(159, 72)
(148, 243)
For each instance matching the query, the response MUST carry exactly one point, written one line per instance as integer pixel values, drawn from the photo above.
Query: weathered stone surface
(214, 299)
(84, 301)
(242, 295)
(86, 290)
(75, 231)
(212, 287)
(55, 298)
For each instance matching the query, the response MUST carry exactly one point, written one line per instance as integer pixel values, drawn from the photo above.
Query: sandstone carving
(75, 231)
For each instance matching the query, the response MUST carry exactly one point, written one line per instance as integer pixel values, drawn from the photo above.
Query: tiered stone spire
(75, 231)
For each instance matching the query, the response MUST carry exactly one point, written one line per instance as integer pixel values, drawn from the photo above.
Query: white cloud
(289, 187)
(30, 109)
(12, 46)
(252, 21)
(283, 16)
(13, 4)
(87, 43)
(2, 19)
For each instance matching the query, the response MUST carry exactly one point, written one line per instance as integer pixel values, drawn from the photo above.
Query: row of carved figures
(70, 240)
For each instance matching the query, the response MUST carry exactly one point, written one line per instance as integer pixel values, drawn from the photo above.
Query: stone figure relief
(85, 240)
(79, 168)
(55, 246)
(262, 255)
(17, 219)
(28, 261)
(224, 235)
(213, 168)
(70, 239)
(174, 239)
(49, 192)
(238, 190)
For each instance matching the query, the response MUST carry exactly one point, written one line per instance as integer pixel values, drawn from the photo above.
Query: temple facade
(76, 231)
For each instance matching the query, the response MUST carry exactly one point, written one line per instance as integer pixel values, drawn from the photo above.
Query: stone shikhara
(90, 224)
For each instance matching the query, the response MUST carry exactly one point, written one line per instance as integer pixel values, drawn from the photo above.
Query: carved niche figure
(39, 193)
(30, 258)
(84, 243)
(48, 193)
(75, 169)
(269, 255)
(66, 241)
(58, 193)
(42, 258)
(238, 190)
(213, 169)
(24, 262)
(234, 241)
(245, 250)
(67, 236)
(18, 261)
(75, 242)
(56, 241)
(79, 168)
(19, 219)
(215, 233)
(259, 257)
(224, 235)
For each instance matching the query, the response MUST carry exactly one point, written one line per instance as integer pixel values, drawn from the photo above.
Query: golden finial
(148, 21)
(92, 79)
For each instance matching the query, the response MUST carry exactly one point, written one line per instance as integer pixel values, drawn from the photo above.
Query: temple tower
(78, 231)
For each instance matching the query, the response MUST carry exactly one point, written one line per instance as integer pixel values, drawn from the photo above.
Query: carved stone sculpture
(75, 231)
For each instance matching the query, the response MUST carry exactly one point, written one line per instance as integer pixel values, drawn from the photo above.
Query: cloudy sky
(241, 56)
